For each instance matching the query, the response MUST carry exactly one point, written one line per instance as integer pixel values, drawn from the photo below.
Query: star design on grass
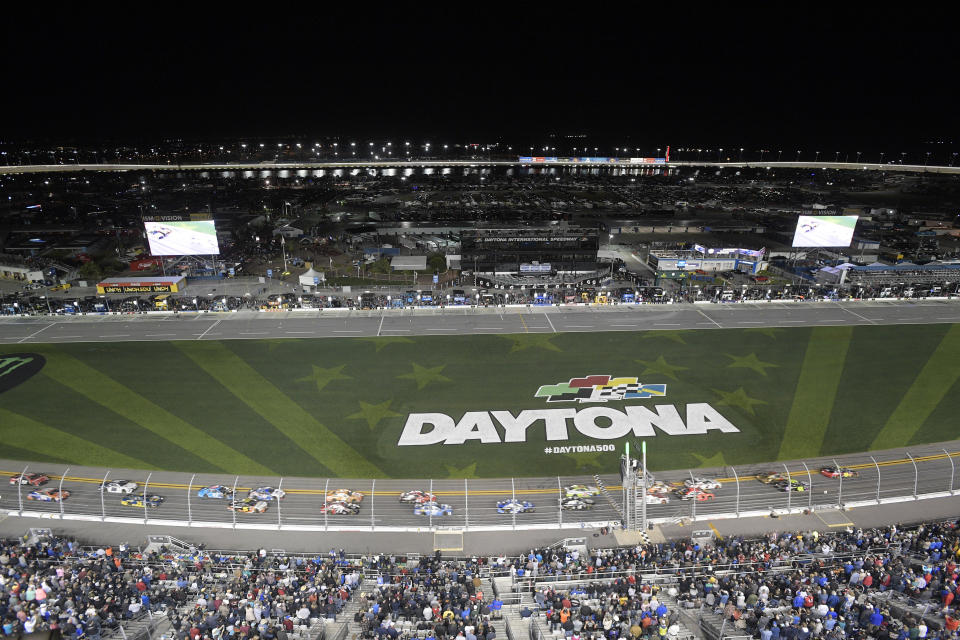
(374, 413)
(323, 377)
(588, 459)
(469, 471)
(738, 398)
(750, 362)
(425, 375)
(660, 366)
(770, 332)
(675, 336)
(523, 341)
(385, 341)
(716, 460)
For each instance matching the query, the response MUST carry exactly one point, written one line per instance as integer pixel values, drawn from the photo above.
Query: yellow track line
(502, 492)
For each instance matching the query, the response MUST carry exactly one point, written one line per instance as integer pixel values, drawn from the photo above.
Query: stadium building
(541, 252)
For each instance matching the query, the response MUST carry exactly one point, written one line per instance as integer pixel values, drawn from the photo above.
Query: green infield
(480, 406)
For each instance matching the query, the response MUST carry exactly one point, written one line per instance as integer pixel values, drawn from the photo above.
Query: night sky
(792, 81)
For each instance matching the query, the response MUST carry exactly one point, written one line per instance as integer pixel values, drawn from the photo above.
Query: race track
(888, 476)
(341, 323)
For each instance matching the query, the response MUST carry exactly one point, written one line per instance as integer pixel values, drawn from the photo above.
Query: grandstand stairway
(149, 626)
(354, 629)
(513, 624)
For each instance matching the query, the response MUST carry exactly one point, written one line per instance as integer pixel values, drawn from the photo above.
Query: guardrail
(882, 478)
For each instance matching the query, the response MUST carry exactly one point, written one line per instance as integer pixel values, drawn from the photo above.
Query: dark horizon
(92, 82)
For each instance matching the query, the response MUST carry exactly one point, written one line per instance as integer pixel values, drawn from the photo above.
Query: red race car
(839, 472)
(35, 479)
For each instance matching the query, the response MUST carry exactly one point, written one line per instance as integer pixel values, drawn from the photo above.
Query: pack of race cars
(346, 502)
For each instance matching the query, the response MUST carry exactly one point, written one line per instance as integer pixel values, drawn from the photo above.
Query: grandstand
(852, 583)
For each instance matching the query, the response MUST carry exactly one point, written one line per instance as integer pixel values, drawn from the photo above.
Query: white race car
(657, 499)
(701, 483)
(118, 486)
(576, 504)
(341, 508)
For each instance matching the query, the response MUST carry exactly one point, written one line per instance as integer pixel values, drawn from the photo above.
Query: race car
(48, 495)
(839, 472)
(792, 485)
(217, 491)
(140, 500)
(35, 479)
(657, 499)
(266, 493)
(340, 508)
(433, 509)
(695, 493)
(248, 505)
(417, 496)
(659, 487)
(344, 495)
(580, 491)
(515, 506)
(576, 504)
(772, 477)
(701, 483)
(118, 486)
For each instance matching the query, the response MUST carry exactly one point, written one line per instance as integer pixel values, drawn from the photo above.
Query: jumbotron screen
(824, 231)
(182, 237)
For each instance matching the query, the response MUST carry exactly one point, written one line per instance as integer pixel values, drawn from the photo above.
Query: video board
(181, 236)
(824, 231)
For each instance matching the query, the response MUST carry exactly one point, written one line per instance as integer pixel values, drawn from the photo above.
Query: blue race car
(515, 506)
(433, 509)
(267, 493)
(217, 491)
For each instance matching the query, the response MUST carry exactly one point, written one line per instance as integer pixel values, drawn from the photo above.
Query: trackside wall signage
(601, 423)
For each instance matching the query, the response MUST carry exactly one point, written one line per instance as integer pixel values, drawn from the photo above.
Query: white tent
(307, 277)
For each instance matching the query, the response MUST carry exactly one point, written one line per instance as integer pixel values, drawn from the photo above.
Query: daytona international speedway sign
(601, 423)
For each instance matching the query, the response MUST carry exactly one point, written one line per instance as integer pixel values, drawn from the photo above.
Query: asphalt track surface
(926, 469)
(884, 476)
(341, 323)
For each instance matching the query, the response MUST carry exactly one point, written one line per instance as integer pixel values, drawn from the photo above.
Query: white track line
(200, 337)
(550, 321)
(715, 323)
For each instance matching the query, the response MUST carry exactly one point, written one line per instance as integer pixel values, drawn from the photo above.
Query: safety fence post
(103, 490)
(878, 477)
(60, 491)
(189, 491)
(23, 474)
(326, 513)
(146, 500)
(277, 497)
(466, 504)
(373, 521)
(789, 481)
(430, 515)
(916, 474)
(952, 470)
(234, 492)
(809, 486)
(693, 500)
(513, 490)
(840, 486)
(559, 502)
(737, 478)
